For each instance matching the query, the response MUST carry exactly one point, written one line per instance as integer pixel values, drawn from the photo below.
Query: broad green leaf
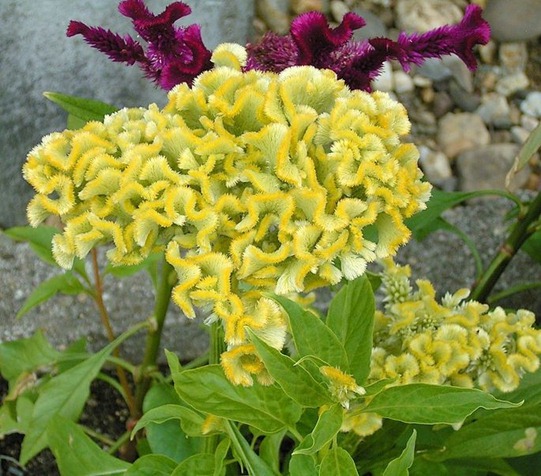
(351, 318)
(152, 465)
(82, 108)
(255, 465)
(327, 426)
(207, 389)
(64, 395)
(400, 466)
(15, 416)
(164, 414)
(479, 466)
(501, 434)
(432, 404)
(295, 381)
(164, 433)
(312, 336)
(425, 222)
(269, 449)
(528, 149)
(338, 462)
(201, 464)
(26, 355)
(302, 465)
(66, 283)
(76, 453)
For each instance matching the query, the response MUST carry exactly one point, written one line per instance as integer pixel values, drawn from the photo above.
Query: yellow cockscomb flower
(456, 342)
(342, 386)
(251, 181)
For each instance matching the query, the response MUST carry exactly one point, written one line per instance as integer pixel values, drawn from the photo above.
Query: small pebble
(402, 82)
(460, 132)
(495, 110)
(519, 134)
(509, 85)
(338, 10)
(513, 57)
(532, 104)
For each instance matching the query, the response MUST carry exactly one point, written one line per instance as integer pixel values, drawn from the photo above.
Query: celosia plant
(272, 171)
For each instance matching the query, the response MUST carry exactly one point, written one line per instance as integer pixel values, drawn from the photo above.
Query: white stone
(532, 104)
(519, 134)
(528, 122)
(508, 85)
(384, 82)
(338, 10)
(402, 82)
(513, 56)
(421, 15)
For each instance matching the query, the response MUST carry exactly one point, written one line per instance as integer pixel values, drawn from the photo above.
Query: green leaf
(269, 449)
(164, 433)
(302, 465)
(295, 381)
(425, 222)
(432, 404)
(26, 355)
(255, 465)
(15, 416)
(152, 465)
(312, 337)
(338, 462)
(351, 318)
(40, 241)
(172, 361)
(528, 149)
(266, 408)
(123, 271)
(63, 395)
(66, 283)
(81, 108)
(38, 238)
(501, 434)
(201, 464)
(76, 453)
(327, 426)
(400, 466)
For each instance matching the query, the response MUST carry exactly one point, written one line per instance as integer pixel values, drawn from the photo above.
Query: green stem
(150, 357)
(216, 347)
(521, 231)
(519, 288)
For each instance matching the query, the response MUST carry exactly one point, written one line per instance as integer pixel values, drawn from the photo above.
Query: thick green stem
(519, 234)
(216, 347)
(150, 357)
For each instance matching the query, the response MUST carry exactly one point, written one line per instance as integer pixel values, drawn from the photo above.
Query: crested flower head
(455, 342)
(174, 55)
(312, 42)
(252, 182)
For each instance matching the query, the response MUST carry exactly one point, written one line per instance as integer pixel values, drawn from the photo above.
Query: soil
(105, 412)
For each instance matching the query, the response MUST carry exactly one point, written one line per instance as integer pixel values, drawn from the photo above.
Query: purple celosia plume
(173, 55)
(313, 42)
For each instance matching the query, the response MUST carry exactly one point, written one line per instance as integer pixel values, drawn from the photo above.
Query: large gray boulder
(36, 56)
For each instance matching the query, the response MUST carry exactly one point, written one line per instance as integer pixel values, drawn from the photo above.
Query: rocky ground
(468, 126)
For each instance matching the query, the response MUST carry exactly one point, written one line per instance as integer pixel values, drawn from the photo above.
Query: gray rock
(460, 132)
(447, 67)
(514, 20)
(435, 165)
(402, 82)
(442, 104)
(374, 26)
(465, 100)
(384, 82)
(36, 56)
(495, 110)
(519, 134)
(338, 10)
(532, 104)
(486, 167)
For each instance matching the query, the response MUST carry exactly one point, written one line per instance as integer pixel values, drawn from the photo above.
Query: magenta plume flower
(312, 42)
(174, 55)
